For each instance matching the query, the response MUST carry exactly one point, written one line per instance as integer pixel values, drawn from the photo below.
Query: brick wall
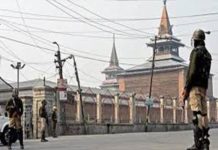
(169, 83)
(165, 83)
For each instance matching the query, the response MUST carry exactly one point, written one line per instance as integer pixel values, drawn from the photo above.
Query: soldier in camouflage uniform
(54, 121)
(14, 107)
(196, 89)
(44, 120)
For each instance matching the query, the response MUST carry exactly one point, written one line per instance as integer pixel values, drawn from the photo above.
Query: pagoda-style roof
(109, 83)
(167, 57)
(166, 39)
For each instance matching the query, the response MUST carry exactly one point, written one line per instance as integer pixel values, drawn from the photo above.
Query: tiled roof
(30, 84)
(163, 65)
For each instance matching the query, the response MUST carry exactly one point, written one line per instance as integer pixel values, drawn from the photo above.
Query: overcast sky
(78, 31)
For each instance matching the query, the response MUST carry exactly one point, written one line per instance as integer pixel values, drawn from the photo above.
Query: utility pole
(80, 94)
(151, 79)
(18, 67)
(59, 61)
(61, 85)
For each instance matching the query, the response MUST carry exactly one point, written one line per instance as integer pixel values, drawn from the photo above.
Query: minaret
(165, 27)
(112, 70)
(167, 45)
(114, 59)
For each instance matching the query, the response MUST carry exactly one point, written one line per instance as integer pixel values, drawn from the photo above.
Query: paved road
(130, 141)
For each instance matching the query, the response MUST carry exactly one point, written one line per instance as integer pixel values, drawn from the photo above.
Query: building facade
(169, 68)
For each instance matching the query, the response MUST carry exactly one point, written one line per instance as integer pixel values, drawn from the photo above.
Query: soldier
(14, 107)
(54, 120)
(44, 120)
(196, 89)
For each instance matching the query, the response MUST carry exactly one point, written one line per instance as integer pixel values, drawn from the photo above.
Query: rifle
(16, 108)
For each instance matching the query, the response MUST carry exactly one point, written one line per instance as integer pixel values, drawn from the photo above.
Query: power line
(78, 35)
(106, 37)
(85, 57)
(90, 76)
(7, 59)
(94, 36)
(49, 42)
(33, 14)
(80, 56)
(107, 18)
(93, 25)
(30, 35)
(111, 19)
(28, 64)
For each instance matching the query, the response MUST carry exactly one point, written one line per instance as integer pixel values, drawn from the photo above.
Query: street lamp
(18, 67)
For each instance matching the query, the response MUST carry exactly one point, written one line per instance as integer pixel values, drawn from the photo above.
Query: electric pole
(18, 67)
(80, 95)
(61, 93)
(59, 61)
(151, 79)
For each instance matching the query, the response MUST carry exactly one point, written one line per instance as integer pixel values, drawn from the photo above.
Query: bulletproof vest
(203, 69)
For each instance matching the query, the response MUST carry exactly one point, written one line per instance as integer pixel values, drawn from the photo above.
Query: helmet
(198, 35)
(15, 92)
(54, 108)
(44, 102)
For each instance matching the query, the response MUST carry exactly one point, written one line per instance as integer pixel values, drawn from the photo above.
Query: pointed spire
(114, 59)
(165, 27)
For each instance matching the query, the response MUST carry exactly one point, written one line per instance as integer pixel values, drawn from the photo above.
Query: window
(175, 49)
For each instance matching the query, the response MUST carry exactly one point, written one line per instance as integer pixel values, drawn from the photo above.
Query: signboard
(62, 83)
(63, 95)
(149, 101)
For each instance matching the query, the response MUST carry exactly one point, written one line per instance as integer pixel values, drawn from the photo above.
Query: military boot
(43, 137)
(206, 142)
(20, 137)
(9, 138)
(198, 138)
